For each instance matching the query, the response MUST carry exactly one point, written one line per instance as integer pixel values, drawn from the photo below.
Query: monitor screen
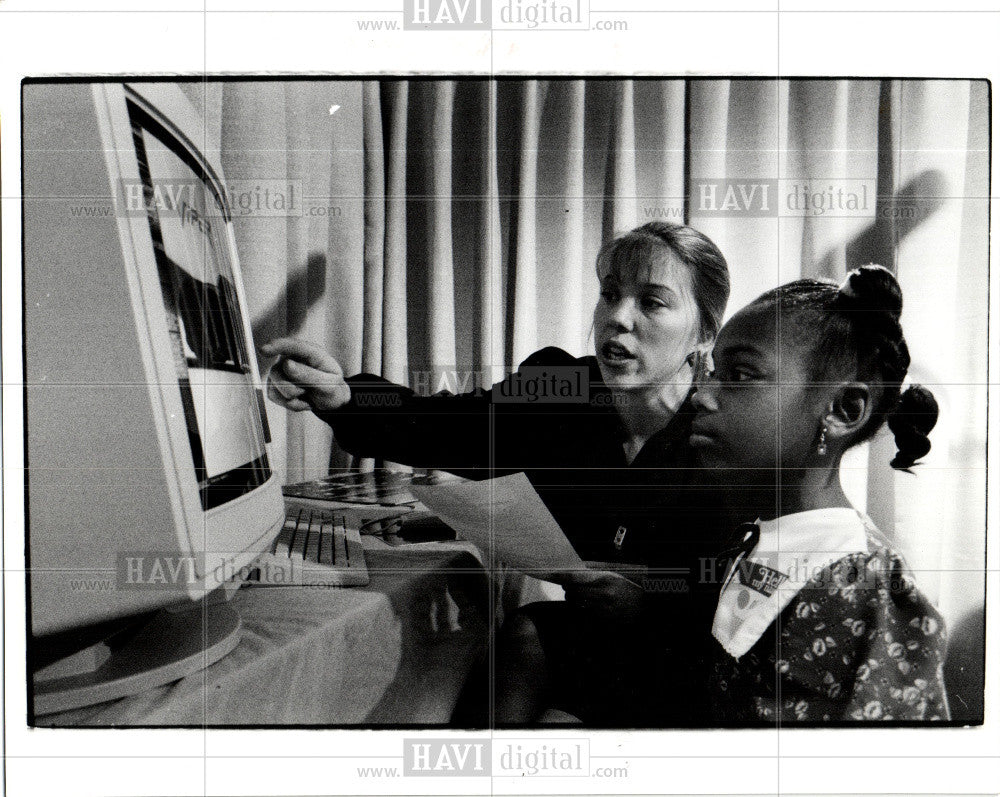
(187, 218)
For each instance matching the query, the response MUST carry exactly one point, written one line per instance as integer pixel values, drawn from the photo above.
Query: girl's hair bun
(871, 288)
(911, 421)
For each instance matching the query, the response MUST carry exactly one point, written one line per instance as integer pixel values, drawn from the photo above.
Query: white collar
(791, 551)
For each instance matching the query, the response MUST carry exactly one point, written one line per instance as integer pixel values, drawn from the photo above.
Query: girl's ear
(849, 411)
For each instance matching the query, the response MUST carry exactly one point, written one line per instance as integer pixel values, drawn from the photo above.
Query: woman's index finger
(304, 351)
(306, 376)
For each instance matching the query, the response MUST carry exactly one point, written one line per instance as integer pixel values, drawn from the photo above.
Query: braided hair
(856, 335)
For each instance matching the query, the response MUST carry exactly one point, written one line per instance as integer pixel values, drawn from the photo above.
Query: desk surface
(396, 652)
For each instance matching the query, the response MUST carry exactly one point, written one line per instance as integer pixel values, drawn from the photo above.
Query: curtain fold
(659, 109)
(449, 228)
(524, 323)
(621, 194)
(441, 286)
(395, 109)
(375, 233)
(566, 293)
(489, 362)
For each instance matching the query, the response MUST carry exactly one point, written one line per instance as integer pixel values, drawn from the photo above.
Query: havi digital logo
(447, 14)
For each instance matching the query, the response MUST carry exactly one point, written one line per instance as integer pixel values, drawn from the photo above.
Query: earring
(821, 448)
(697, 366)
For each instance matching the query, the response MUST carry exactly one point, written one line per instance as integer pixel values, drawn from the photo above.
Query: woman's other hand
(603, 593)
(304, 377)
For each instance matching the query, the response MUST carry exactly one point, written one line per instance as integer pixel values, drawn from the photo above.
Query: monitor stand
(173, 643)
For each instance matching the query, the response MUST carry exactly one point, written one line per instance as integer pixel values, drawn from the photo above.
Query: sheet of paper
(507, 518)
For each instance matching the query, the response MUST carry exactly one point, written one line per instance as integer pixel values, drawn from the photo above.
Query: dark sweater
(569, 448)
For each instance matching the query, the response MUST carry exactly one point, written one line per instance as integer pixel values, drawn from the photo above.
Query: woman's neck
(644, 412)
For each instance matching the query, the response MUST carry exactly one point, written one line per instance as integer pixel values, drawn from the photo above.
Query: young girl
(818, 618)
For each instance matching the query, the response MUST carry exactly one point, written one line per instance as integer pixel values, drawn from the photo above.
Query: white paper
(506, 518)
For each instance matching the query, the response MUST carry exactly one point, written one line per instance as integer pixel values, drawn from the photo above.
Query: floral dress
(857, 643)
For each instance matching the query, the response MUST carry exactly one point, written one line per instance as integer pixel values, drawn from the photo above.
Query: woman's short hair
(635, 250)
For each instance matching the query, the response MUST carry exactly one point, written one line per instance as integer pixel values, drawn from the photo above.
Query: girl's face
(646, 323)
(758, 409)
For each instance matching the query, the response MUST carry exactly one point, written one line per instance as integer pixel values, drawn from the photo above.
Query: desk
(397, 652)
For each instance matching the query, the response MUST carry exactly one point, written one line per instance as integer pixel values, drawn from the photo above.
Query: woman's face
(646, 323)
(759, 409)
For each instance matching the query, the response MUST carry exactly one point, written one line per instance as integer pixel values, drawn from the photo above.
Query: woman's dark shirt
(654, 511)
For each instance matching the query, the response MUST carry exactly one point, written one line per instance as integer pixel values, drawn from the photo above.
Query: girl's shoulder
(866, 630)
(874, 597)
(882, 568)
(879, 573)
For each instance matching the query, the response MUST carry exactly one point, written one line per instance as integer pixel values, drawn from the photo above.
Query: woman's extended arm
(372, 417)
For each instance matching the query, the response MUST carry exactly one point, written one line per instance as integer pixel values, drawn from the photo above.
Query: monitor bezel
(215, 537)
(220, 488)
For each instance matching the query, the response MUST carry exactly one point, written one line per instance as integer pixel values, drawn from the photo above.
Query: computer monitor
(149, 477)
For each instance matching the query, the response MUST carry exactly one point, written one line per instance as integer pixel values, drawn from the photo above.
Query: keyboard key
(315, 547)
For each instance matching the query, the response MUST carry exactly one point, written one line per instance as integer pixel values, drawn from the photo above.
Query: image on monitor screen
(222, 409)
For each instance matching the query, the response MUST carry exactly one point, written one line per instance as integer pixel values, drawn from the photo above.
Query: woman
(612, 465)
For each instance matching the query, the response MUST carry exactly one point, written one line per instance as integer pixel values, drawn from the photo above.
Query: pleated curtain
(449, 229)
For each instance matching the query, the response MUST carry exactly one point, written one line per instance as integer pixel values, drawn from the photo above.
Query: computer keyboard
(316, 547)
